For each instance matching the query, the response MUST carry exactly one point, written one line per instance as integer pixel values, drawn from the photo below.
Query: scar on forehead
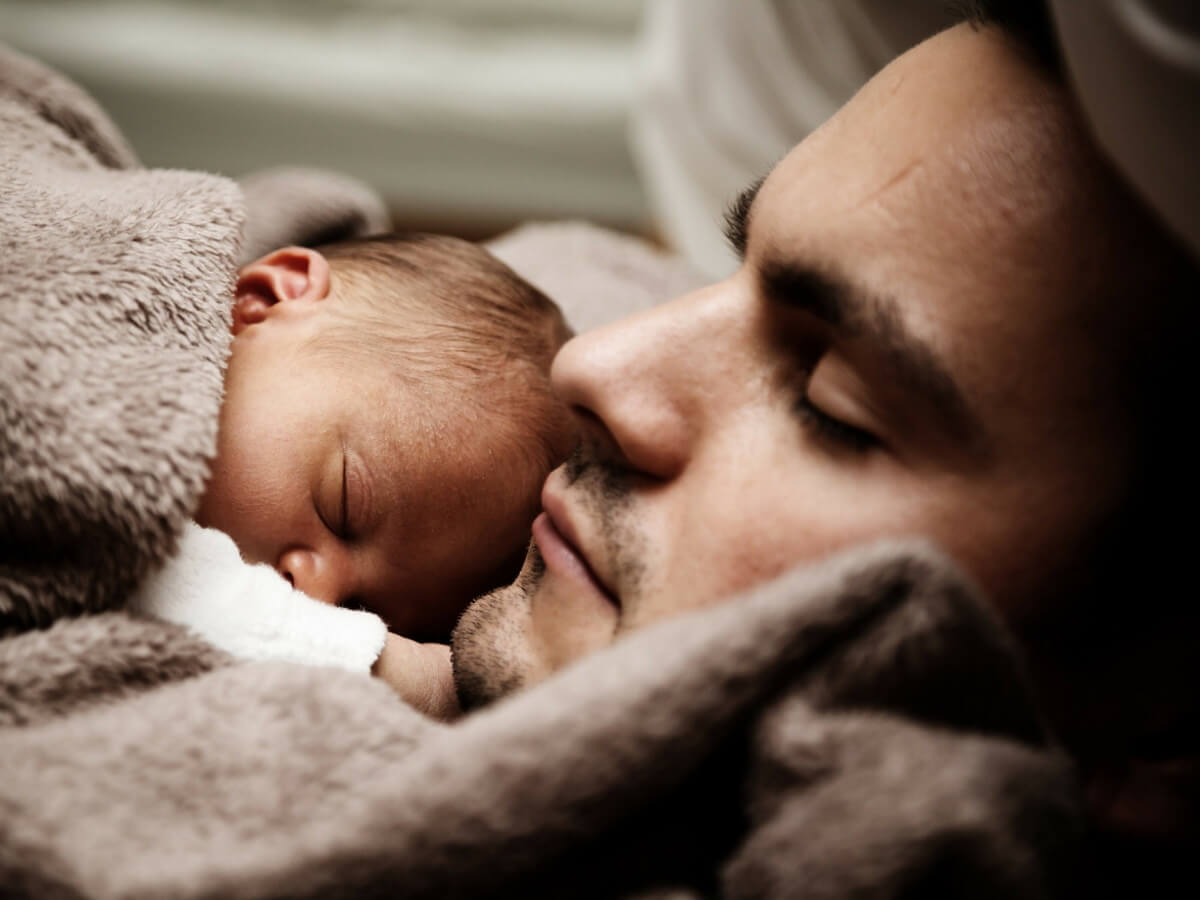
(903, 175)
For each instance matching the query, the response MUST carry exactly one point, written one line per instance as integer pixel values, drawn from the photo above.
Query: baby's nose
(310, 574)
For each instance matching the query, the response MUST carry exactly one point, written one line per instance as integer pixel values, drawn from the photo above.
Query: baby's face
(326, 471)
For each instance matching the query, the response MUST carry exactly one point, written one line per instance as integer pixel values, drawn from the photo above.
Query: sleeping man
(952, 320)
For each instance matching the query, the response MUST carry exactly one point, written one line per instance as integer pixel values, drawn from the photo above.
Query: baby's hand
(420, 674)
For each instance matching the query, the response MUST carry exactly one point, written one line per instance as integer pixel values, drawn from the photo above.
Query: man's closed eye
(830, 430)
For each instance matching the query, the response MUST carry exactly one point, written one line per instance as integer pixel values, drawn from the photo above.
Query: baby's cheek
(245, 508)
(565, 436)
(213, 509)
(499, 551)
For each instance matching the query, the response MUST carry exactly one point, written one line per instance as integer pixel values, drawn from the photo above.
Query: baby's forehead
(496, 416)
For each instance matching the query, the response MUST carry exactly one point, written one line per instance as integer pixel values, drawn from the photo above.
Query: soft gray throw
(858, 729)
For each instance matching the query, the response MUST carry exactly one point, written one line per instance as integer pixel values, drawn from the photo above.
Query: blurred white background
(470, 116)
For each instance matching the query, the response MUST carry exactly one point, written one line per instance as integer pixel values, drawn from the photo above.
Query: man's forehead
(991, 197)
(962, 111)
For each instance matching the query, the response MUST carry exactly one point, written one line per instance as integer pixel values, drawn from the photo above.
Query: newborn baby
(385, 432)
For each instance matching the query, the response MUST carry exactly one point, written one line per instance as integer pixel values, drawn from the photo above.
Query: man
(951, 319)
(931, 334)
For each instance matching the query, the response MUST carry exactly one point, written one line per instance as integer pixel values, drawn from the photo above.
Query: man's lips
(559, 545)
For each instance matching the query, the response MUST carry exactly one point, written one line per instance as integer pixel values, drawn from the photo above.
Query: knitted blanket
(859, 728)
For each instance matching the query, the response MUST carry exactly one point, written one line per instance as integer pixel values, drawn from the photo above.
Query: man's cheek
(716, 557)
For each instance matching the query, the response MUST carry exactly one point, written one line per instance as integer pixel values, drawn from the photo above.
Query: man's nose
(645, 384)
(310, 573)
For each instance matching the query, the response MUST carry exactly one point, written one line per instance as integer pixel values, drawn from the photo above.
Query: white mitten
(251, 611)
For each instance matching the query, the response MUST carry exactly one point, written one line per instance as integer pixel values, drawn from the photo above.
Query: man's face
(913, 345)
(337, 475)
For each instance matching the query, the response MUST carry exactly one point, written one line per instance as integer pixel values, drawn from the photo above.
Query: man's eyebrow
(737, 216)
(910, 360)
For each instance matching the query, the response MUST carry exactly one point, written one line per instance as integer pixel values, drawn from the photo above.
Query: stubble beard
(491, 651)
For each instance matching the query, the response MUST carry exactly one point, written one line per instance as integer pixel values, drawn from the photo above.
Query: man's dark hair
(1028, 21)
(1133, 614)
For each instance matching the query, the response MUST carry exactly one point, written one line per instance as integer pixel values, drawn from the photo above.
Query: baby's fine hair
(445, 316)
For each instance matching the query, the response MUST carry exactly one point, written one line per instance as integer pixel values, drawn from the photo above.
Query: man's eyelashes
(830, 430)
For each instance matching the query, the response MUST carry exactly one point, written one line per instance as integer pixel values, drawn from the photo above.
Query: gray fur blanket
(861, 728)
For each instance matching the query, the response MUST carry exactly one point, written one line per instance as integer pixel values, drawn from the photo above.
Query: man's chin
(490, 650)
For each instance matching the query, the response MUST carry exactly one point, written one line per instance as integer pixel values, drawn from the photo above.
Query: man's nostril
(290, 579)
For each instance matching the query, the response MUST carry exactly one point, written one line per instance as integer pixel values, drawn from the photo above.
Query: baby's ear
(288, 275)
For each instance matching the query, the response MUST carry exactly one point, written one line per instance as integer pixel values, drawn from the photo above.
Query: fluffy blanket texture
(861, 728)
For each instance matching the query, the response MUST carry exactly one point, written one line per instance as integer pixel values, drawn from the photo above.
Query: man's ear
(291, 274)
